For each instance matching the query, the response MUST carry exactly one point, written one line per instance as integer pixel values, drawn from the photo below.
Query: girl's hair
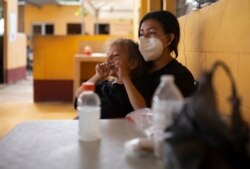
(133, 54)
(169, 24)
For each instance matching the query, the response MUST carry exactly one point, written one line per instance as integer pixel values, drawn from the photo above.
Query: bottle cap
(167, 78)
(88, 86)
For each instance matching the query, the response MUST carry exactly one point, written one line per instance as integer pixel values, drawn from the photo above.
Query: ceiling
(50, 2)
(105, 8)
(109, 4)
(42, 2)
(111, 8)
(102, 4)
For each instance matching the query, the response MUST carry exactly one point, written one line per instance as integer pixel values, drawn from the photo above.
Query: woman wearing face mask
(159, 35)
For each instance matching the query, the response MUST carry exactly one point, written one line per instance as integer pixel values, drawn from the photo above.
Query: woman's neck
(161, 62)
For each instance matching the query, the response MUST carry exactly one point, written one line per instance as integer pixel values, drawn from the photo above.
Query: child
(127, 90)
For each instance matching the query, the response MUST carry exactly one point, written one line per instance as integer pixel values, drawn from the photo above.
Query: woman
(159, 35)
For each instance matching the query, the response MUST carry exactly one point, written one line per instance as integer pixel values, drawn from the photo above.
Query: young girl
(127, 90)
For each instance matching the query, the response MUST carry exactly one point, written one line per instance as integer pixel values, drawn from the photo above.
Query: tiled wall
(220, 31)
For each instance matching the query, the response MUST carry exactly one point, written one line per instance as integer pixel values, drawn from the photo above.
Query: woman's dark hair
(169, 24)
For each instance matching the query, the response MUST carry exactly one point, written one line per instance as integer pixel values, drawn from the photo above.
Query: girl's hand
(105, 69)
(102, 70)
(112, 68)
(122, 71)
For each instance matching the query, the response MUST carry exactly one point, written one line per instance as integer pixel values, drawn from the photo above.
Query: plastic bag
(143, 120)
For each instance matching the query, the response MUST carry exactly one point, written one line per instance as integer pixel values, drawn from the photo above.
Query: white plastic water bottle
(89, 110)
(167, 100)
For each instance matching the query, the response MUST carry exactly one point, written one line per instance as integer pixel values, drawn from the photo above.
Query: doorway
(2, 45)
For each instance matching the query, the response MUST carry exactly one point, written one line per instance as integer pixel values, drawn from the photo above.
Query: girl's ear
(133, 64)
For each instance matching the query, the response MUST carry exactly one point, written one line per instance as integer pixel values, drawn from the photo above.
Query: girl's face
(117, 53)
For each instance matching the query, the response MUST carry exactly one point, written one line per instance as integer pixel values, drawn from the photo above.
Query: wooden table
(84, 67)
(55, 145)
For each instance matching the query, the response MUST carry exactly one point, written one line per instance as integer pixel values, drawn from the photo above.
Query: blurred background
(42, 42)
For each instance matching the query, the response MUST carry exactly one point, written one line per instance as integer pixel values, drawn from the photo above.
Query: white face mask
(150, 48)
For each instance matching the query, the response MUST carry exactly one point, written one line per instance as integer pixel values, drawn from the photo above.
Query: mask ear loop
(171, 39)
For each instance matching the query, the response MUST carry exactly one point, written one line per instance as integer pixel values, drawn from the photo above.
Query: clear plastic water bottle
(89, 110)
(167, 100)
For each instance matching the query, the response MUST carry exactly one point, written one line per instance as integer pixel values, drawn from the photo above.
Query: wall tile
(245, 113)
(194, 61)
(220, 80)
(244, 80)
(220, 32)
(220, 27)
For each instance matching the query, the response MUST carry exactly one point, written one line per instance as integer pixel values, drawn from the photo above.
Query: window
(101, 28)
(49, 29)
(42, 29)
(37, 30)
(183, 7)
(74, 28)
